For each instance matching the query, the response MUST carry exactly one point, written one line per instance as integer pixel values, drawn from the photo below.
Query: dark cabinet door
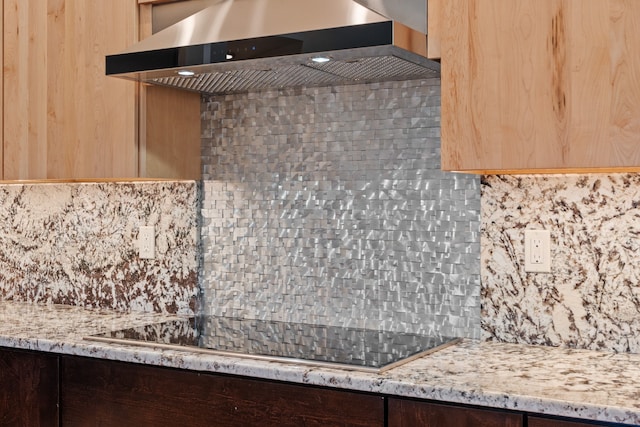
(411, 413)
(550, 422)
(106, 393)
(28, 389)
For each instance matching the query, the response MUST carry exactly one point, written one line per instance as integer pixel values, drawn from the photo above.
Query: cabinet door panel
(63, 117)
(409, 413)
(28, 389)
(550, 422)
(540, 85)
(98, 392)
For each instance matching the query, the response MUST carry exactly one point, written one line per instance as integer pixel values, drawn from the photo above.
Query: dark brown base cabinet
(417, 413)
(43, 390)
(412, 413)
(28, 389)
(551, 422)
(100, 393)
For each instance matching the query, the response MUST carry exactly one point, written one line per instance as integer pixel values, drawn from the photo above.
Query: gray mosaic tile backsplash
(327, 206)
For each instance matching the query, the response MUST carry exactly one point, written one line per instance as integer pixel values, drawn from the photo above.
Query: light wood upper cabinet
(2, 100)
(434, 32)
(170, 123)
(545, 85)
(63, 118)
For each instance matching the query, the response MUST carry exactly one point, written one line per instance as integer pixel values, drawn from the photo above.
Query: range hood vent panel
(363, 46)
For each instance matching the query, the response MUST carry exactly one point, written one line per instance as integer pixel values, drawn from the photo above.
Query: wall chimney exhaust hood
(235, 46)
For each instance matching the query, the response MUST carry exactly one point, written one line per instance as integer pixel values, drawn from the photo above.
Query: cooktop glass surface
(363, 349)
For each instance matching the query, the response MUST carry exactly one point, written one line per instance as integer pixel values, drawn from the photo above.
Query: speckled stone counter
(573, 383)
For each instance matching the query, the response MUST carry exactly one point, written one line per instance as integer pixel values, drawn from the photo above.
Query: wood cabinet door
(98, 392)
(28, 389)
(63, 117)
(540, 85)
(411, 413)
(550, 422)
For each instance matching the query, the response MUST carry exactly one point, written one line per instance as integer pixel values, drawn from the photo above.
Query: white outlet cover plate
(147, 242)
(537, 251)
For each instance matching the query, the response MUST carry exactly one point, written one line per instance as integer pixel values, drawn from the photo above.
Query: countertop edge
(325, 377)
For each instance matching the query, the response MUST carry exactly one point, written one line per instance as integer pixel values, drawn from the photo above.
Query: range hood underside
(372, 64)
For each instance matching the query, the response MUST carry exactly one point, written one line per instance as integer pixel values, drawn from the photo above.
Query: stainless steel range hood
(240, 45)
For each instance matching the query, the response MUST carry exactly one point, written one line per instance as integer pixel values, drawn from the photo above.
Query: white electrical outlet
(147, 242)
(537, 251)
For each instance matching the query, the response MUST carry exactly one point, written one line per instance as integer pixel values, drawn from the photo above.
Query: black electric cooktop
(333, 346)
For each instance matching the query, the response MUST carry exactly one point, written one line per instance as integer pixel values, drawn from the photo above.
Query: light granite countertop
(548, 380)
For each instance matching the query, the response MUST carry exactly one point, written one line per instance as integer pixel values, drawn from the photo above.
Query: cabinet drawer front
(550, 422)
(409, 413)
(99, 392)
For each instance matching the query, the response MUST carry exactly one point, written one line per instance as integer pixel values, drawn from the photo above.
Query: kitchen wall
(591, 298)
(76, 243)
(327, 205)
